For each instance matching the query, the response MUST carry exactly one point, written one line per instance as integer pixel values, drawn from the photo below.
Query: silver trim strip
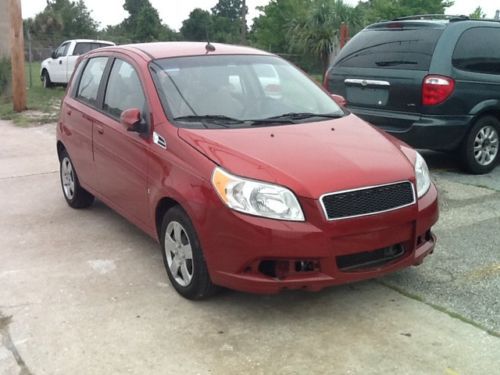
(366, 188)
(366, 82)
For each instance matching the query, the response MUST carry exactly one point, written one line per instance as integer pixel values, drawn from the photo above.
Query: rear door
(381, 70)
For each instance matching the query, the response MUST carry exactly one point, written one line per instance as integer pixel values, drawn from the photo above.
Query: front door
(121, 156)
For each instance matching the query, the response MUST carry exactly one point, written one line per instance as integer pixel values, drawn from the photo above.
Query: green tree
(143, 23)
(230, 9)
(196, 26)
(318, 33)
(377, 10)
(478, 13)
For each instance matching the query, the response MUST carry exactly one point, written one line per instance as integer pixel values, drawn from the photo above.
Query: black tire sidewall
(468, 159)
(195, 289)
(46, 80)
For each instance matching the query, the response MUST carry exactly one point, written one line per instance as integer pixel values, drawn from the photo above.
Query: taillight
(436, 89)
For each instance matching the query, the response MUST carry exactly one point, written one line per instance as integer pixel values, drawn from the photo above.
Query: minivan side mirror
(339, 99)
(132, 120)
(54, 55)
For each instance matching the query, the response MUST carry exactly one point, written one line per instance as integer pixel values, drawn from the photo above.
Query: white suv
(58, 68)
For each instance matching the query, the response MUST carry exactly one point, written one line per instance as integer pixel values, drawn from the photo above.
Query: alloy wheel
(179, 253)
(486, 145)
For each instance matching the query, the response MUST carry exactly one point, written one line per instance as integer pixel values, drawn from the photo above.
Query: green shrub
(5, 78)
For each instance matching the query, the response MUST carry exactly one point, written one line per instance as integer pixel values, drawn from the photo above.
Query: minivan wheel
(46, 82)
(183, 256)
(75, 195)
(480, 148)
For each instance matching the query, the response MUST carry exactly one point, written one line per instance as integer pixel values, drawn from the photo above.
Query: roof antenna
(209, 47)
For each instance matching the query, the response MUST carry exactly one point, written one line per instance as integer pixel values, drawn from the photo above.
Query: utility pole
(17, 56)
(243, 26)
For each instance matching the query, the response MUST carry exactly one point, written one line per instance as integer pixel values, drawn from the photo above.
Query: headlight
(256, 198)
(422, 176)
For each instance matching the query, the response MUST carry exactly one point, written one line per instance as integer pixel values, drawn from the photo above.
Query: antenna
(209, 47)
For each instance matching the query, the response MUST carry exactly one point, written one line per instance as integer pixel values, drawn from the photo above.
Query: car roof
(432, 23)
(90, 41)
(159, 50)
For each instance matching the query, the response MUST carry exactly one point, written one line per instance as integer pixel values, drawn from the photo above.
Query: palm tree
(318, 33)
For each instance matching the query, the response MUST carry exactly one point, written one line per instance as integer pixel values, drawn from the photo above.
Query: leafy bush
(5, 78)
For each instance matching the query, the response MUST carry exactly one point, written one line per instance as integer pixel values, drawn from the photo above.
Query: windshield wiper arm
(221, 120)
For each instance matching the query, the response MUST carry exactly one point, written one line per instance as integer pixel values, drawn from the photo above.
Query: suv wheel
(480, 148)
(183, 257)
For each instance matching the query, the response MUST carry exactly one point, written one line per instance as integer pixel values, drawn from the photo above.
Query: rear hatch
(381, 70)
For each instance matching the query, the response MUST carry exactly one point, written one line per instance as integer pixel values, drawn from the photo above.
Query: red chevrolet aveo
(249, 175)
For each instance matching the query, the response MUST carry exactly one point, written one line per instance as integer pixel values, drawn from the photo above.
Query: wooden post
(17, 56)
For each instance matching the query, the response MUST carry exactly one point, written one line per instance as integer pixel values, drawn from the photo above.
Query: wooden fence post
(17, 56)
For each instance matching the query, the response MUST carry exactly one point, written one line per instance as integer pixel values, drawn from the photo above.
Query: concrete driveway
(85, 292)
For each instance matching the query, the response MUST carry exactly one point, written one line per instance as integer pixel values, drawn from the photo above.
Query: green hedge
(5, 77)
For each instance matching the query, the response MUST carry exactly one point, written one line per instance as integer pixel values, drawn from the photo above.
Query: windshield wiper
(292, 118)
(220, 120)
(395, 62)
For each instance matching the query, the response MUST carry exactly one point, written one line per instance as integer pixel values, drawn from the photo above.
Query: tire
(480, 149)
(183, 256)
(75, 195)
(46, 82)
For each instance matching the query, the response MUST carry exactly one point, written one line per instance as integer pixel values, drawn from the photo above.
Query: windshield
(239, 90)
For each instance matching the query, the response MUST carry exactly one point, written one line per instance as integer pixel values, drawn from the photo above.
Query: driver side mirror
(132, 120)
(54, 55)
(339, 99)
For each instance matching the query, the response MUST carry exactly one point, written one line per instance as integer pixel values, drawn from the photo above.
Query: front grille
(367, 201)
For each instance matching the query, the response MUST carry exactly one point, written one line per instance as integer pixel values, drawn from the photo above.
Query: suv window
(398, 48)
(90, 80)
(124, 90)
(84, 47)
(478, 50)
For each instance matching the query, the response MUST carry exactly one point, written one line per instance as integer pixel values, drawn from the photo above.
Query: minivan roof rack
(451, 18)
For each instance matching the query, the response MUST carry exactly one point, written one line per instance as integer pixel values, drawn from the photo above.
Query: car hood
(311, 158)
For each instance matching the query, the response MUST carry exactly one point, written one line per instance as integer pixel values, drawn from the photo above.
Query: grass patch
(43, 104)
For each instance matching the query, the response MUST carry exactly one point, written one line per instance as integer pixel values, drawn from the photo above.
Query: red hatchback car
(247, 172)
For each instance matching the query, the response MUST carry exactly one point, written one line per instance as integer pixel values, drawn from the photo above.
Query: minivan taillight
(436, 89)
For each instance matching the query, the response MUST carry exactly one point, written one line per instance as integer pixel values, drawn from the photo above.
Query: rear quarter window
(408, 48)
(478, 50)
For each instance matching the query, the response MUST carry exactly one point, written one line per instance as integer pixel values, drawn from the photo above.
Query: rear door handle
(99, 129)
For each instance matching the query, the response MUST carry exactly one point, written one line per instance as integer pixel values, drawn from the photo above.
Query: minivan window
(124, 89)
(478, 50)
(240, 87)
(397, 48)
(91, 79)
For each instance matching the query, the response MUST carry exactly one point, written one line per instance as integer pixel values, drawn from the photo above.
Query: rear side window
(408, 48)
(84, 47)
(124, 90)
(478, 50)
(91, 79)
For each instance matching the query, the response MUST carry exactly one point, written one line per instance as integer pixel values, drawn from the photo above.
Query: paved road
(85, 292)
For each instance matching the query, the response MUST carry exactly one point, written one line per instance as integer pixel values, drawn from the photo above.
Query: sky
(173, 12)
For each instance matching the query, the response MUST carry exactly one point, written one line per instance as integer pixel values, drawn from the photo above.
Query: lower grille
(367, 201)
(369, 259)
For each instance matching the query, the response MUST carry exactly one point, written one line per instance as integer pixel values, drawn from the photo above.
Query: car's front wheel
(75, 195)
(480, 149)
(183, 256)
(46, 82)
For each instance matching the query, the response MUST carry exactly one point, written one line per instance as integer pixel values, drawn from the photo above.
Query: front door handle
(60, 62)
(99, 129)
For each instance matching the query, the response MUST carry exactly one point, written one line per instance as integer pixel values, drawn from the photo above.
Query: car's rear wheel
(480, 149)
(46, 82)
(75, 195)
(183, 256)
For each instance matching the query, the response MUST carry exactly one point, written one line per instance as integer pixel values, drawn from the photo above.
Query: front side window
(124, 90)
(62, 50)
(240, 89)
(91, 79)
(478, 51)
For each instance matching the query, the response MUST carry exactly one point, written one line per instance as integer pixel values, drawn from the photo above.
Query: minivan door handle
(366, 82)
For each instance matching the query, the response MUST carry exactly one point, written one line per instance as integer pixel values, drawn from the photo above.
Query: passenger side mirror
(53, 55)
(132, 120)
(339, 99)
